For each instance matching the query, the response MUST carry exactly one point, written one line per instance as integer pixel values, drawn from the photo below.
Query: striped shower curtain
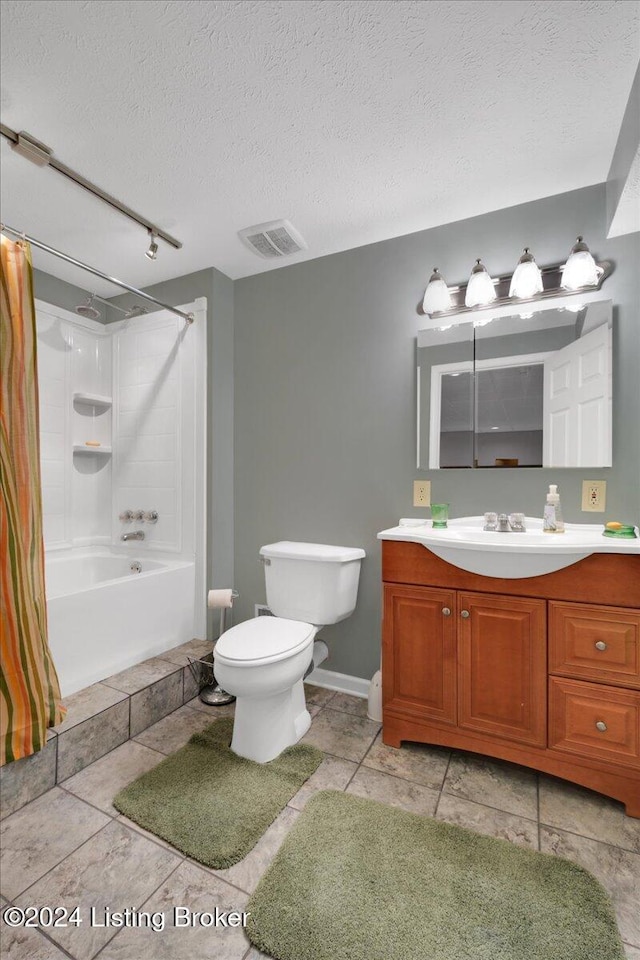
(29, 688)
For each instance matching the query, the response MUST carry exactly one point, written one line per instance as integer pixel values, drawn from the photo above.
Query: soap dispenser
(552, 521)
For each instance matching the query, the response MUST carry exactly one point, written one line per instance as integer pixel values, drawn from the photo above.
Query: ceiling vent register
(272, 240)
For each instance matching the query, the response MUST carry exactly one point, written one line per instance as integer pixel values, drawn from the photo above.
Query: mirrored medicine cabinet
(525, 390)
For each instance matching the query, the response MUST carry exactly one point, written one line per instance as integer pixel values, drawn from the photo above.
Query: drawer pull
(601, 645)
(446, 612)
(601, 726)
(465, 614)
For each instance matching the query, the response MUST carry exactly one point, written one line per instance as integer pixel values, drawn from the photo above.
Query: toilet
(262, 662)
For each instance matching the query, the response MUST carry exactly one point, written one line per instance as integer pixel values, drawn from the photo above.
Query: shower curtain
(29, 688)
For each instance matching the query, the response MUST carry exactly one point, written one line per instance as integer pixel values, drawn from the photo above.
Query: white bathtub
(103, 616)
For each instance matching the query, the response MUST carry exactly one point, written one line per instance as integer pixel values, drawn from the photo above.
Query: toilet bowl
(262, 661)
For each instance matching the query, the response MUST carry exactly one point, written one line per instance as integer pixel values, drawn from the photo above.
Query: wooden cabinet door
(419, 652)
(502, 666)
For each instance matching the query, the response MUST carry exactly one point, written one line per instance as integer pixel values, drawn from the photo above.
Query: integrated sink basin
(510, 555)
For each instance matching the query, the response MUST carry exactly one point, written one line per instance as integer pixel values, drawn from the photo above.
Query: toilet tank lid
(291, 550)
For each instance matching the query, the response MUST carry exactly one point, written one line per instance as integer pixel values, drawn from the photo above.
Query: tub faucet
(136, 535)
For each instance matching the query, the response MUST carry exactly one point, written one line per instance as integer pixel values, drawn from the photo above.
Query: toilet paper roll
(220, 598)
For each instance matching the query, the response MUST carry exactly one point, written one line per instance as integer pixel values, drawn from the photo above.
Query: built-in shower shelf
(92, 399)
(82, 448)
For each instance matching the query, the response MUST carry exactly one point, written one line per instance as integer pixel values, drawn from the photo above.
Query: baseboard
(342, 682)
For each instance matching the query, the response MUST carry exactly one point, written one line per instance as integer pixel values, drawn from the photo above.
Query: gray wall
(325, 397)
(218, 289)
(58, 292)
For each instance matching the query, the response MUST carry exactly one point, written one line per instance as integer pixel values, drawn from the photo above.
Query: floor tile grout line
(582, 836)
(43, 932)
(435, 812)
(68, 854)
(152, 894)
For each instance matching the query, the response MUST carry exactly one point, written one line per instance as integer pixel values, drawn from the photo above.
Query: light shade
(526, 281)
(480, 289)
(580, 270)
(437, 296)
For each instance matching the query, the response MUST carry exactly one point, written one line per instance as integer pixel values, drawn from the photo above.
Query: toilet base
(265, 726)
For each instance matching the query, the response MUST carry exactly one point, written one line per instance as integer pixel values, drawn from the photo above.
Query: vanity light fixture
(480, 289)
(526, 281)
(152, 252)
(580, 270)
(437, 296)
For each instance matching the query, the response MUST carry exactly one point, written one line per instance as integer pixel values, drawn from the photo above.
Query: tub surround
(543, 671)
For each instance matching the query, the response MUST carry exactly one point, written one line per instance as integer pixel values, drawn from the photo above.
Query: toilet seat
(263, 640)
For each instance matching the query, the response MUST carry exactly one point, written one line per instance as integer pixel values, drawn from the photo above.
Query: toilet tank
(313, 582)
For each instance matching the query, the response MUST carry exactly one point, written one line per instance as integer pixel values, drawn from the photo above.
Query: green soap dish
(624, 533)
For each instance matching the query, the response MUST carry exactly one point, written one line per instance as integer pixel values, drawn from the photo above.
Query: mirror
(529, 390)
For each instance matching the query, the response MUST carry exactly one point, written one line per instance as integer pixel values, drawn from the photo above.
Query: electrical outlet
(422, 493)
(594, 495)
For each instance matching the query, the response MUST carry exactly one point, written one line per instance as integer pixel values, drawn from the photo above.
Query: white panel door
(577, 403)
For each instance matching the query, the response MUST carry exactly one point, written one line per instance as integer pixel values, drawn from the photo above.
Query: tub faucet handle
(138, 516)
(151, 516)
(126, 516)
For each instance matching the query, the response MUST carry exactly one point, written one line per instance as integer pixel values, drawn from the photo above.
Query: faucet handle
(516, 522)
(151, 516)
(490, 521)
(138, 516)
(126, 516)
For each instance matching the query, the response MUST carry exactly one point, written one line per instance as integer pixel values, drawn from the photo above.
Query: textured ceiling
(357, 120)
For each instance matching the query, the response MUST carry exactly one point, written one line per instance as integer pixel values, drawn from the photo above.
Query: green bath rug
(212, 804)
(359, 880)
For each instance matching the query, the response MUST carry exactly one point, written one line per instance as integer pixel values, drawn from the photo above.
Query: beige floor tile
(487, 820)
(99, 782)
(617, 870)
(348, 704)
(332, 774)
(201, 892)
(317, 695)
(494, 783)
(412, 797)
(341, 734)
(590, 814)
(248, 871)
(18, 943)
(40, 835)
(412, 761)
(631, 953)
(173, 731)
(118, 868)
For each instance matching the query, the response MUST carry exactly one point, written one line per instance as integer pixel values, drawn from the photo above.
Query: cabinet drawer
(595, 643)
(594, 720)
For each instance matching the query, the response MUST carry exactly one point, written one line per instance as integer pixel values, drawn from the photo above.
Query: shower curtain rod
(188, 317)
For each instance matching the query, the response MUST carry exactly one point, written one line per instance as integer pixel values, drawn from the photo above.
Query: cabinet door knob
(601, 726)
(465, 614)
(601, 645)
(446, 612)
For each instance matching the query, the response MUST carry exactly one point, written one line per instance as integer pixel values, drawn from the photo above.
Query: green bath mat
(359, 880)
(212, 804)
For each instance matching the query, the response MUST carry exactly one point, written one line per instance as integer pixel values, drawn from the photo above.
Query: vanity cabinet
(542, 671)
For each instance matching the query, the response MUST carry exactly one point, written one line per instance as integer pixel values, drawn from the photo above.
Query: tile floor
(70, 847)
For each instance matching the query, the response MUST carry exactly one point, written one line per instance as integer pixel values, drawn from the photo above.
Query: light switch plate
(422, 493)
(594, 496)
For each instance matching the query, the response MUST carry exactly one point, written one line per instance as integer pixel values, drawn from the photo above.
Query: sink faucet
(501, 523)
(136, 535)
